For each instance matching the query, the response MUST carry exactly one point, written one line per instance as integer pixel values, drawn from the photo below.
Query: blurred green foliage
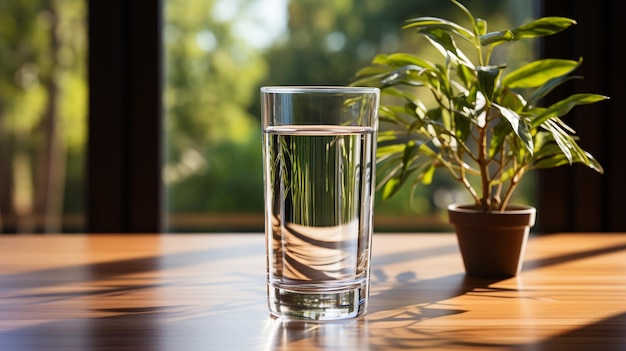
(215, 63)
(43, 104)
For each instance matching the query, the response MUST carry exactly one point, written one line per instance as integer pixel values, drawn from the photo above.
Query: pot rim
(470, 214)
(511, 209)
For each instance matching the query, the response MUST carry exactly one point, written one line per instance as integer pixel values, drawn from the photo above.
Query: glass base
(322, 306)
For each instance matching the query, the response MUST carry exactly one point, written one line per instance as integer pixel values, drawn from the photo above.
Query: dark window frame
(576, 198)
(125, 192)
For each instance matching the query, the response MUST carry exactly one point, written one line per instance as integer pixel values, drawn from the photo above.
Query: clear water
(319, 186)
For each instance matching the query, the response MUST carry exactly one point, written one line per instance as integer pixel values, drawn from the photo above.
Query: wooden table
(207, 292)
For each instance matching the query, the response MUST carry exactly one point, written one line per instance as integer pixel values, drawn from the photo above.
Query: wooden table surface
(207, 292)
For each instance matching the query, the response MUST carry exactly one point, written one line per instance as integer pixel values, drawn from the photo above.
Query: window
(218, 54)
(108, 111)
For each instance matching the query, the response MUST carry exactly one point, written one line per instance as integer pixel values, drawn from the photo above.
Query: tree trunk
(7, 213)
(50, 168)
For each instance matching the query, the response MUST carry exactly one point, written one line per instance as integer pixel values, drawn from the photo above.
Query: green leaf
(391, 187)
(427, 174)
(519, 126)
(560, 160)
(427, 151)
(410, 151)
(563, 141)
(545, 89)
(389, 148)
(506, 175)
(387, 168)
(445, 44)
(500, 132)
(537, 73)
(429, 25)
(403, 59)
(393, 114)
(562, 107)
(407, 75)
(496, 37)
(466, 75)
(512, 100)
(569, 148)
(397, 176)
(549, 155)
(487, 76)
(480, 26)
(542, 27)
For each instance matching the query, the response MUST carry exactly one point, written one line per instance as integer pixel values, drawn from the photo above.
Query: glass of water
(319, 146)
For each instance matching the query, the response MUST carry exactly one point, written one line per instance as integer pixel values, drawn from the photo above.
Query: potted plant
(483, 124)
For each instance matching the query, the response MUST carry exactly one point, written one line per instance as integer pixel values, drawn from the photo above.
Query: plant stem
(514, 183)
(462, 178)
(483, 164)
(501, 165)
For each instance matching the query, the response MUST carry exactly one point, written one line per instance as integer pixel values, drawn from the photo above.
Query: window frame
(124, 190)
(575, 198)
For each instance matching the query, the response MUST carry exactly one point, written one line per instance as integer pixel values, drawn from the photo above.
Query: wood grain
(207, 292)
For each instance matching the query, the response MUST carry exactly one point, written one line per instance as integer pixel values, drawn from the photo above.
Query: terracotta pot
(492, 244)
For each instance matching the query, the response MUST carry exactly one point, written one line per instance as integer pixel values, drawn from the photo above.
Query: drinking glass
(319, 146)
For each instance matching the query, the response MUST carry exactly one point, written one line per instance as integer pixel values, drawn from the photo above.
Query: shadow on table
(394, 315)
(550, 261)
(102, 271)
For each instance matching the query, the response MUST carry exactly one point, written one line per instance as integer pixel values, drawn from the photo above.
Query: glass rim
(295, 89)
